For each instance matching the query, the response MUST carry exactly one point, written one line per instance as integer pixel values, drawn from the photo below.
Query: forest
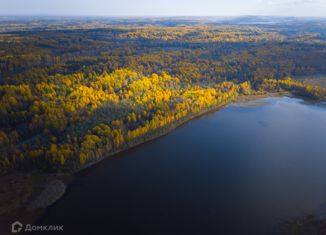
(74, 93)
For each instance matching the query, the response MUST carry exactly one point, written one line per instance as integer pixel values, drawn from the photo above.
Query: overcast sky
(164, 7)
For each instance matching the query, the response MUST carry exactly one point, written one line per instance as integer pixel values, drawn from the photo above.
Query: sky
(164, 7)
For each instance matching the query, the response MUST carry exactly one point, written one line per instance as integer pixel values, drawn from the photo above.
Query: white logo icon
(16, 227)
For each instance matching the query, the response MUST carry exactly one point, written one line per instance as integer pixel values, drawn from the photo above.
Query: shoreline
(173, 126)
(42, 194)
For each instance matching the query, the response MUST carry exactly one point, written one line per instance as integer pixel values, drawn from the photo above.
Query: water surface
(243, 170)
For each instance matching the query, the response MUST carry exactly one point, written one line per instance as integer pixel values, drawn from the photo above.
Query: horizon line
(155, 16)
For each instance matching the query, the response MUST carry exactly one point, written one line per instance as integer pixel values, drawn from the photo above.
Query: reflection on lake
(242, 170)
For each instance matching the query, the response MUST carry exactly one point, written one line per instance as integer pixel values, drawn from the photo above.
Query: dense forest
(74, 91)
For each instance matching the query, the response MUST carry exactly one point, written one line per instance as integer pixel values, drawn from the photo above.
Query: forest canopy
(71, 94)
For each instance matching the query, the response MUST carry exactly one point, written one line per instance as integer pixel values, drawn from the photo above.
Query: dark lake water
(243, 170)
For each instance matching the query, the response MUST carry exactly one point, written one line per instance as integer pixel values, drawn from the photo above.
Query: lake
(243, 170)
